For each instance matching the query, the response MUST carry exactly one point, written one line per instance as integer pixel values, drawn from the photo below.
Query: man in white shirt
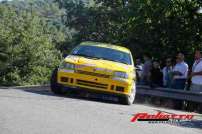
(180, 72)
(196, 75)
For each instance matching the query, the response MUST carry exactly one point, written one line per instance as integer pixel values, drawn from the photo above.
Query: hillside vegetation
(36, 34)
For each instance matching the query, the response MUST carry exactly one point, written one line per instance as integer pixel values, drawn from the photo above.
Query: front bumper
(94, 83)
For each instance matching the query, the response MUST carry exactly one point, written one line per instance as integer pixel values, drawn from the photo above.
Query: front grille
(120, 89)
(93, 74)
(64, 79)
(92, 84)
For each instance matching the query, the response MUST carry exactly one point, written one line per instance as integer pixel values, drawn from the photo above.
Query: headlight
(121, 75)
(66, 66)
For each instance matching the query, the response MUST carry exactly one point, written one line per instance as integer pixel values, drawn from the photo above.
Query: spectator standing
(156, 76)
(179, 73)
(196, 81)
(196, 75)
(167, 78)
(139, 67)
(146, 69)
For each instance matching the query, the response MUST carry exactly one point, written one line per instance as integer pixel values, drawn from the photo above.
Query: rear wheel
(55, 87)
(128, 100)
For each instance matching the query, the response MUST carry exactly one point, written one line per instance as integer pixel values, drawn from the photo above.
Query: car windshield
(96, 52)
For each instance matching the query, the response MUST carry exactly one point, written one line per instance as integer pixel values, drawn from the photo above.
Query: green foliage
(161, 27)
(34, 33)
(165, 27)
(29, 44)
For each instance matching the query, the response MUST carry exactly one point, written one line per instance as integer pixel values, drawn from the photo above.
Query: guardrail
(169, 93)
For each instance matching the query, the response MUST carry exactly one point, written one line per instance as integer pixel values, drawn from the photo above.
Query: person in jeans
(167, 73)
(179, 77)
(179, 73)
(196, 81)
(196, 75)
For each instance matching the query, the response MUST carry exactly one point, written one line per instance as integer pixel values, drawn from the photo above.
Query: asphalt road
(38, 111)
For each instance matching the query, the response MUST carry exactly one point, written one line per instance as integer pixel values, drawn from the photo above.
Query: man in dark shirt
(156, 76)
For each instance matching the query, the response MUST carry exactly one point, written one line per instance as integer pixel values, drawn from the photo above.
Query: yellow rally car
(97, 67)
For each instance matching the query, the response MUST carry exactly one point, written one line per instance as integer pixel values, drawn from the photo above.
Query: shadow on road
(108, 99)
(77, 95)
(40, 92)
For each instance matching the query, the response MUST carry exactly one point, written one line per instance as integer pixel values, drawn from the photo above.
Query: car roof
(106, 45)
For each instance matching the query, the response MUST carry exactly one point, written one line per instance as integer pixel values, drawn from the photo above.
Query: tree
(32, 31)
(165, 26)
(31, 54)
(161, 27)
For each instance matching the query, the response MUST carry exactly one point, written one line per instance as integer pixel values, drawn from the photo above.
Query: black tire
(128, 100)
(55, 87)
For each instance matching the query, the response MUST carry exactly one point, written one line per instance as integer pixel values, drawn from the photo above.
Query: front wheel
(55, 87)
(128, 100)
